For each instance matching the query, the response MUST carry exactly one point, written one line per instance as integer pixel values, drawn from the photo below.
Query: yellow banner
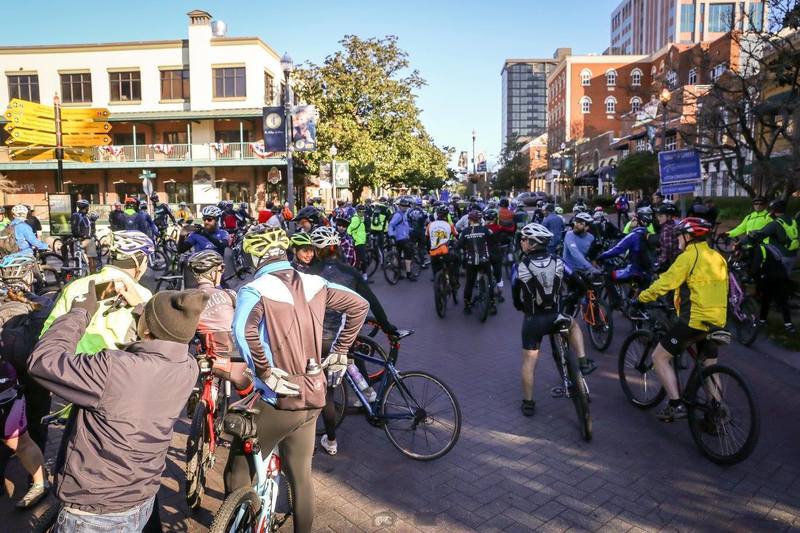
(81, 155)
(49, 126)
(24, 136)
(23, 107)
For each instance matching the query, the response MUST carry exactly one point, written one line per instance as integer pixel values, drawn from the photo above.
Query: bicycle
(574, 385)
(444, 286)
(483, 298)
(253, 508)
(720, 241)
(713, 416)
(373, 255)
(743, 310)
(206, 407)
(405, 404)
(393, 264)
(597, 315)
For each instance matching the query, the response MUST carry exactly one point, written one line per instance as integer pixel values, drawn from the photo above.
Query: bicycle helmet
(300, 239)
(19, 211)
(693, 226)
(490, 214)
(599, 216)
(16, 266)
(183, 204)
(668, 208)
(360, 208)
(324, 236)
(142, 205)
(584, 217)
(211, 211)
(129, 243)
(309, 213)
(343, 221)
(403, 202)
(559, 210)
(131, 201)
(205, 261)
(265, 241)
(93, 216)
(82, 204)
(776, 206)
(474, 216)
(442, 211)
(579, 208)
(154, 197)
(644, 215)
(537, 233)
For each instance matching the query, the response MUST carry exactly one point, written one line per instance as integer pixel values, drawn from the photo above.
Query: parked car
(529, 199)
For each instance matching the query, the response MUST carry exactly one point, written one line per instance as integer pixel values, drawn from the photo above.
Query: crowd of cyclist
(105, 339)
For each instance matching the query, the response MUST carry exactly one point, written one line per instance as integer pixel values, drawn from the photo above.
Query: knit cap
(173, 315)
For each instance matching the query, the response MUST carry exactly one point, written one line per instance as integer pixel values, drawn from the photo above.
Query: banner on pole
(304, 128)
(274, 129)
(341, 174)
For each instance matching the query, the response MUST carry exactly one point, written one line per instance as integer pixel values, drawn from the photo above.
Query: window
(269, 88)
(586, 77)
(586, 105)
(636, 104)
(642, 145)
(702, 19)
(175, 85)
(235, 191)
(231, 136)
(176, 137)
(76, 88)
(671, 142)
(611, 77)
(229, 82)
(129, 190)
(756, 16)
(84, 191)
(720, 17)
(125, 86)
(687, 18)
(24, 86)
(126, 139)
(636, 77)
(178, 192)
(718, 71)
(672, 79)
(692, 76)
(611, 105)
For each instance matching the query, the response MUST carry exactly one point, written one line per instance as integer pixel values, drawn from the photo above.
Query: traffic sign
(679, 188)
(49, 125)
(33, 109)
(26, 136)
(677, 166)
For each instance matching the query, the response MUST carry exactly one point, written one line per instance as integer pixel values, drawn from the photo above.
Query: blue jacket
(575, 249)
(555, 224)
(635, 245)
(142, 222)
(399, 227)
(199, 241)
(26, 238)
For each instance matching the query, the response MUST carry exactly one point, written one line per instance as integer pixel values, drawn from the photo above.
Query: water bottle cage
(240, 425)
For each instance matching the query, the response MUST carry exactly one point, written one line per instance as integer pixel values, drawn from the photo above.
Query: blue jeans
(130, 521)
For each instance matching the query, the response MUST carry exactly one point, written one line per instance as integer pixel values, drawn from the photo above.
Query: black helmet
(490, 214)
(82, 204)
(777, 206)
(474, 215)
(442, 211)
(644, 215)
(309, 213)
(668, 208)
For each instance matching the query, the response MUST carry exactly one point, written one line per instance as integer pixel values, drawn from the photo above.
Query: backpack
(16, 339)
(377, 215)
(506, 218)
(229, 221)
(792, 238)
(647, 253)
(8, 240)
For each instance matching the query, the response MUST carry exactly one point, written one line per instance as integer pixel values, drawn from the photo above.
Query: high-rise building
(645, 26)
(524, 104)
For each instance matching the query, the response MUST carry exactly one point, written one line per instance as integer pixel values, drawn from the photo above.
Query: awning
(607, 173)
(585, 180)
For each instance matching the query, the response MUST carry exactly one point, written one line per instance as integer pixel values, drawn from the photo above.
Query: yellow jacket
(752, 222)
(699, 277)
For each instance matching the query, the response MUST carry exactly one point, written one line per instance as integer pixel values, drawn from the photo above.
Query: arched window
(586, 105)
(636, 104)
(611, 77)
(636, 77)
(611, 105)
(672, 79)
(586, 77)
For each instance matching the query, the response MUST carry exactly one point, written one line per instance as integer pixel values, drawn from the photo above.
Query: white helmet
(583, 216)
(128, 243)
(324, 236)
(537, 233)
(19, 211)
(16, 266)
(212, 211)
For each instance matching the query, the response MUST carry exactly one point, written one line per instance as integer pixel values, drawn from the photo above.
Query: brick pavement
(511, 473)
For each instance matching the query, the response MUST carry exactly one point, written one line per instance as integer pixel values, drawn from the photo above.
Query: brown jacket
(129, 402)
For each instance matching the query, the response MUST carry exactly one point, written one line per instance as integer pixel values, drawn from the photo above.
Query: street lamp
(333, 151)
(287, 65)
(474, 179)
(664, 98)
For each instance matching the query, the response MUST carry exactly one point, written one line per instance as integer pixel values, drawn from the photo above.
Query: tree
(366, 101)
(514, 174)
(638, 172)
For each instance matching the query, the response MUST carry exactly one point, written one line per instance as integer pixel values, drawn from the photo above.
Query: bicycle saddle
(562, 321)
(719, 336)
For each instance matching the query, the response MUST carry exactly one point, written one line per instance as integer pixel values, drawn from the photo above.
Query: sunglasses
(209, 219)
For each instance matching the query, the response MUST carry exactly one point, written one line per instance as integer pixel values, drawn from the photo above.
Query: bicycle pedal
(557, 392)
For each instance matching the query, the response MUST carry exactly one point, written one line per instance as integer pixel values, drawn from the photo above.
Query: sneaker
(33, 496)
(528, 407)
(762, 323)
(412, 277)
(670, 413)
(587, 366)
(365, 277)
(789, 328)
(330, 447)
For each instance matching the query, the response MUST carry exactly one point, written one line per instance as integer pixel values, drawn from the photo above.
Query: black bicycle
(574, 385)
(723, 417)
(445, 286)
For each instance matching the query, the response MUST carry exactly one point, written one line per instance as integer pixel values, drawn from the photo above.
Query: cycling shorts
(536, 327)
(680, 336)
(405, 248)
(13, 419)
(89, 247)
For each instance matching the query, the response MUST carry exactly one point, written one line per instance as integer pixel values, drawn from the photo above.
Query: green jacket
(382, 218)
(358, 230)
(103, 331)
(627, 229)
(752, 222)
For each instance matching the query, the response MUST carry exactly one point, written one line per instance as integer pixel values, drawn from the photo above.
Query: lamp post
(664, 98)
(287, 66)
(333, 151)
(474, 170)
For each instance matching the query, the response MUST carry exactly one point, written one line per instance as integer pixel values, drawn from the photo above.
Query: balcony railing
(159, 152)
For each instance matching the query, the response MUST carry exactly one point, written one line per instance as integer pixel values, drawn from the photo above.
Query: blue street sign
(679, 166)
(679, 188)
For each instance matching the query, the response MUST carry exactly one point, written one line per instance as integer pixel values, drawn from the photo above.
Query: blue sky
(458, 46)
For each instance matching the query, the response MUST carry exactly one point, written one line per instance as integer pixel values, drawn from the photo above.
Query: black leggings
(293, 432)
(769, 290)
(472, 276)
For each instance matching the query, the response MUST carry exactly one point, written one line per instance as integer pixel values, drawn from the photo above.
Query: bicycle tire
(601, 333)
(371, 348)
(416, 266)
(441, 291)
(391, 269)
(631, 363)
(228, 511)
(373, 261)
(172, 284)
(406, 378)
(197, 456)
(340, 408)
(578, 390)
(723, 244)
(483, 298)
(747, 329)
(699, 427)
(159, 261)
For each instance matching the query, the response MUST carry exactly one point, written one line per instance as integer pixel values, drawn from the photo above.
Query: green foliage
(365, 96)
(515, 171)
(638, 172)
(735, 209)
(604, 201)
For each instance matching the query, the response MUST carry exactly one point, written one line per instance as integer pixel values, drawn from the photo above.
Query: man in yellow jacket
(699, 277)
(755, 220)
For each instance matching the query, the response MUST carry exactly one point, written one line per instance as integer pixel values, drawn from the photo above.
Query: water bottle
(361, 383)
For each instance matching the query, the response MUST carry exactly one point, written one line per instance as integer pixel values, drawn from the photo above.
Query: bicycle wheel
(391, 268)
(158, 261)
(747, 328)
(339, 407)
(579, 392)
(482, 299)
(637, 375)
(723, 417)
(170, 283)
(416, 266)
(600, 324)
(368, 347)
(441, 290)
(198, 456)
(373, 261)
(51, 268)
(723, 244)
(239, 512)
(420, 415)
